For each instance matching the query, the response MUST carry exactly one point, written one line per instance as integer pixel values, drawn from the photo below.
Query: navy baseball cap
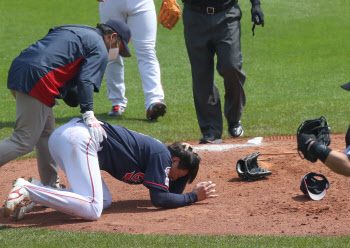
(123, 31)
(314, 188)
(346, 86)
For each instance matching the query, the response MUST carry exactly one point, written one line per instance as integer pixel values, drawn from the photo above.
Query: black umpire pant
(207, 35)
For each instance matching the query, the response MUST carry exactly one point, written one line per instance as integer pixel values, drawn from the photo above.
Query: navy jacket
(68, 56)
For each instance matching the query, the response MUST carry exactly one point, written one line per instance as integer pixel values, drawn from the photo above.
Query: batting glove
(96, 130)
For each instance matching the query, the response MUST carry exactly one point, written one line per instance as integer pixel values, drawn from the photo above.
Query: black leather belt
(209, 10)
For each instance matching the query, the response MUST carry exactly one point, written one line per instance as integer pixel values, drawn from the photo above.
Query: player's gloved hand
(205, 190)
(304, 141)
(96, 130)
(257, 14)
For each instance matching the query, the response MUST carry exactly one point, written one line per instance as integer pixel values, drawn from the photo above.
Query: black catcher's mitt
(248, 168)
(312, 130)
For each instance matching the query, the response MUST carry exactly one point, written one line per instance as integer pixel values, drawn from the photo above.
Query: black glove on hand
(303, 145)
(257, 14)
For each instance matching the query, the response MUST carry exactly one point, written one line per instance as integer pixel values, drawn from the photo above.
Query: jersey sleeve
(90, 75)
(93, 67)
(163, 199)
(156, 173)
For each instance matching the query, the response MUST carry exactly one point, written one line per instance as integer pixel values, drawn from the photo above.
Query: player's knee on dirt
(94, 213)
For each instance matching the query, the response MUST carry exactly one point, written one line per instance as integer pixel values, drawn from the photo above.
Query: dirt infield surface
(273, 206)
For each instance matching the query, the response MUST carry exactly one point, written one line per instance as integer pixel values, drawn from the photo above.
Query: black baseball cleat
(155, 110)
(210, 139)
(235, 129)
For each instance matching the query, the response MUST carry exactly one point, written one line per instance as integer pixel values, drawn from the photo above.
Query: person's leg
(201, 54)
(72, 148)
(228, 49)
(115, 82)
(229, 66)
(48, 169)
(32, 127)
(107, 198)
(142, 21)
(115, 68)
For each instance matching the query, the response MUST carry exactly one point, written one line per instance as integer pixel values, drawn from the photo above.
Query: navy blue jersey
(135, 158)
(68, 56)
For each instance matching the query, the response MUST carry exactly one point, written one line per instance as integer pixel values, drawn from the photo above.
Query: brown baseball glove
(169, 14)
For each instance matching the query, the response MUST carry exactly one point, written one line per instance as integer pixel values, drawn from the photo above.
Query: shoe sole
(18, 214)
(115, 114)
(156, 112)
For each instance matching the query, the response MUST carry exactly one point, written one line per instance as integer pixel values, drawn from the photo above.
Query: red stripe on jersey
(156, 184)
(47, 87)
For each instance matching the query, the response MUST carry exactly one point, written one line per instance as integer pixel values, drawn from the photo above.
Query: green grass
(294, 67)
(31, 237)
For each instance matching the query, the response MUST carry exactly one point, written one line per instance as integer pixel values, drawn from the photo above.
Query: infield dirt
(274, 205)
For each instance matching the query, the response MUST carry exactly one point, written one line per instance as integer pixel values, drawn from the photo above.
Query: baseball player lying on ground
(128, 156)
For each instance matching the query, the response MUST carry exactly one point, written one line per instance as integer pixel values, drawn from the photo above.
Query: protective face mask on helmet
(113, 52)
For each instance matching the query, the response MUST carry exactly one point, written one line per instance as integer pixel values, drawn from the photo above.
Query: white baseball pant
(75, 152)
(141, 17)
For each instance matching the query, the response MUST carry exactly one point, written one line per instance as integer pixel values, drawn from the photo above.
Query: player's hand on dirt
(96, 130)
(187, 146)
(205, 190)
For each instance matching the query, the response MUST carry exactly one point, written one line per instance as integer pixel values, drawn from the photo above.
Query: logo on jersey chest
(167, 170)
(134, 178)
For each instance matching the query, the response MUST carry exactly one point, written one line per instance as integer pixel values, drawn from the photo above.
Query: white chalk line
(213, 147)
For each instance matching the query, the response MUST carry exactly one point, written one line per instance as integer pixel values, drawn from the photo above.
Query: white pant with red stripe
(75, 152)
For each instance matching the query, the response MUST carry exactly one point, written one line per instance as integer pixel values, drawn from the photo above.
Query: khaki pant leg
(34, 123)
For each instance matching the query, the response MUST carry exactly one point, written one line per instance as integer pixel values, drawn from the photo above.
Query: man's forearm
(338, 162)
(170, 200)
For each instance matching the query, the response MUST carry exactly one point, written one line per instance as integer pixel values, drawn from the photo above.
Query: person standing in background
(141, 17)
(213, 27)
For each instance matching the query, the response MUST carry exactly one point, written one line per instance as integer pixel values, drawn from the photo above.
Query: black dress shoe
(210, 139)
(235, 129)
